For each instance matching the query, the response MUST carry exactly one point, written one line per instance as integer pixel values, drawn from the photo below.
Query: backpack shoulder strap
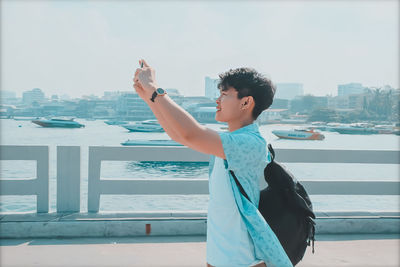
(271, 150)
(240, 186)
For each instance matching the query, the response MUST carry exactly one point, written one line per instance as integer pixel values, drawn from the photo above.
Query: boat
(293, 121)
(319, 125)
(357, 128)
(396, 132)
(25, 118)
(150, 143)
(63, 123)
(385, 129)
(112, 122)
(299, 134)
(354, 130)
(144, 126)
(330, 126)
(396, 129)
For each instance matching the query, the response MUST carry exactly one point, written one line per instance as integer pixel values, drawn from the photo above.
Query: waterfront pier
(172, 238)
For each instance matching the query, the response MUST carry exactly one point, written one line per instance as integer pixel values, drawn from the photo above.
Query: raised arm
(174, 119)
(174, 135)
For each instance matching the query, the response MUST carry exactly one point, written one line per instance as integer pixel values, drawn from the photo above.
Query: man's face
(228, 106)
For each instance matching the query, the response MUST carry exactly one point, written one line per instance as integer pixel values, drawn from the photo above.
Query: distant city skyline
(83, 48)
(279, 86)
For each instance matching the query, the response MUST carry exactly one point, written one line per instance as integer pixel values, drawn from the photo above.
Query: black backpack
(286, 207)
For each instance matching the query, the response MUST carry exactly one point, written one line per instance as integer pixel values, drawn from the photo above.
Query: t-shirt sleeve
(243, 151)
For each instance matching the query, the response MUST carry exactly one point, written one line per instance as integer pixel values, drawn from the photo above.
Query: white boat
(299, 134)
(112, 122)
(294, 121)
(330, 126)
(61, 123)
(359, 128)
(25, 118)
(385, 128)
(144, 126)
(150, 143)
(362, 125)
(318, 123)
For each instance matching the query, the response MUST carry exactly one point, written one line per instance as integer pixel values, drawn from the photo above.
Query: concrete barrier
(171, 223)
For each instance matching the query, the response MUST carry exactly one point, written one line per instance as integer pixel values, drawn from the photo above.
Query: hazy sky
(80, 47)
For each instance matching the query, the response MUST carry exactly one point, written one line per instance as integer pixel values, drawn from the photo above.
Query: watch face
(160, 91)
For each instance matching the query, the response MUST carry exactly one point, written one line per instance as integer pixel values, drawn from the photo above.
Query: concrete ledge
(141, 215)
(358, 225)
(171, 223)
(102, 228)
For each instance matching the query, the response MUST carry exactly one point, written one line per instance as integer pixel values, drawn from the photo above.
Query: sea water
(97, 133)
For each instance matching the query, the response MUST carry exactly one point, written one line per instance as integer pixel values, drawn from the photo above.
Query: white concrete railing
(38, 186)
(68, 173)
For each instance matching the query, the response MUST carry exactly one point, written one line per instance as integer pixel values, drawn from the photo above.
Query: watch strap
(153, 96)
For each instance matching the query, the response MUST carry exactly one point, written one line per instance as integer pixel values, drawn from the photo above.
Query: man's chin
(217, 118)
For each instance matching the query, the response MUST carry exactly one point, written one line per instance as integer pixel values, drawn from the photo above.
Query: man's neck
(233, 126)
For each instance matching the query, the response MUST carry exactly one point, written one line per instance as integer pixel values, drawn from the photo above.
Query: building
(350, 89)
(64, 97)
(112, 95)
(358, 101)
(33, 96)
(288, 90)
(272, 115)
(203, 112)
(308, 103)
(90, 97)
(211, 88)
(52, 109)
(190, 100)
(7, 94)
(8, 97)
(131, 107)
(7, 111)
(350, 102)
(280, 104)
(97, 109)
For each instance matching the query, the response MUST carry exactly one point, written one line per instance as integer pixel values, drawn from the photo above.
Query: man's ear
(249, 100)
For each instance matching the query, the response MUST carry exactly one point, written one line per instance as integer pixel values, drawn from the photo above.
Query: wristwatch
(158, 91)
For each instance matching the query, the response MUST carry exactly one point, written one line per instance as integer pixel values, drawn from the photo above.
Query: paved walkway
(330, 250)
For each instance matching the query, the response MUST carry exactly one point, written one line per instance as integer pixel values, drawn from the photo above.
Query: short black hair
(249, 82)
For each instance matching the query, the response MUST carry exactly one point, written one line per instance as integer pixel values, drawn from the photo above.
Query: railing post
(68, 178)
(93, 181)
(42, 174)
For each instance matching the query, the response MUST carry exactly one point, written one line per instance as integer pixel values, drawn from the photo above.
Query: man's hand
(145, 81)
(140, 91)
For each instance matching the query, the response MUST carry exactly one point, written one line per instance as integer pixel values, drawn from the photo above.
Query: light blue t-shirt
(237, 233)
(228, 241)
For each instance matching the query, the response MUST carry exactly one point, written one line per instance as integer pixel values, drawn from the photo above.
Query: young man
(237, 234)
